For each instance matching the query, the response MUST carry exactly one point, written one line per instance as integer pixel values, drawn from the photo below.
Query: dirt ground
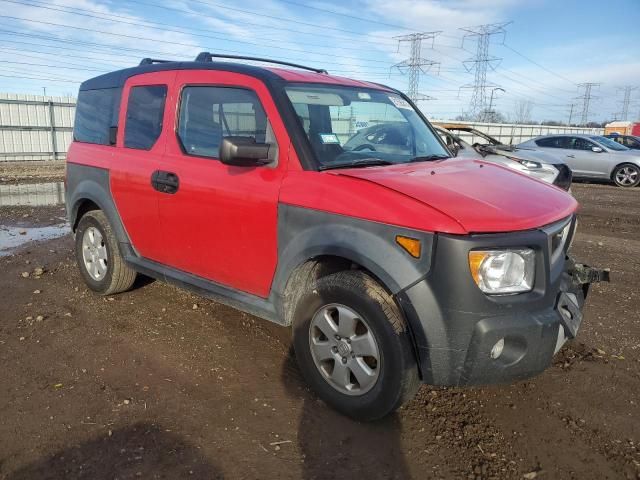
(158, 383)
(31, 172)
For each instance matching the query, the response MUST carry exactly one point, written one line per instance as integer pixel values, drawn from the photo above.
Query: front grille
(563, 180)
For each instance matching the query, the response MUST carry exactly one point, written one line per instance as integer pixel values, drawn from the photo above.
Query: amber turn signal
(475, 260)
(412, 246)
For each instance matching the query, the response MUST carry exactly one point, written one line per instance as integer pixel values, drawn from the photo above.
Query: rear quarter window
(96, 112)
(145, 109)
(552, 142)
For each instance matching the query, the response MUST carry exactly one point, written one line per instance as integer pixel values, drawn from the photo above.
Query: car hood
(480, 196)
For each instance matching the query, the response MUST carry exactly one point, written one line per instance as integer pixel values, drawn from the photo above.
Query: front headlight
(526, 163)
(503, 271)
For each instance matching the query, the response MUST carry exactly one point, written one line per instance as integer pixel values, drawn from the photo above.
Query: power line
(346, 15)
(178, 29)
(538, 65)
(22, 52)
(283, 19)
(192, 45)
(40, 78)
(415, 64)
(273, 27)
(482, 62)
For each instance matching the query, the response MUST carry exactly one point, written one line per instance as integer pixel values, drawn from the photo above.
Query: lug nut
(348, 340)
(334, 349)
(344, 359)
(337, 337)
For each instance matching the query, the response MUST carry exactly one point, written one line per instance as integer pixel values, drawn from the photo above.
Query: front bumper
(461, 325)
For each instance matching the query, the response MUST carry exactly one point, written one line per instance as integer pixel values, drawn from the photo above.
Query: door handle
(165, 182)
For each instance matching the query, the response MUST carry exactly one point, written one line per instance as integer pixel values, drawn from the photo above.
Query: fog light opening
(497, 349)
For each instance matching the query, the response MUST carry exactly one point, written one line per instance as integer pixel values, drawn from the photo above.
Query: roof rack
(208, 57)
(151, 61)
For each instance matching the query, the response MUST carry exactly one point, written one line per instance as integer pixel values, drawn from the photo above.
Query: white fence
(510, 133)
(34, 127)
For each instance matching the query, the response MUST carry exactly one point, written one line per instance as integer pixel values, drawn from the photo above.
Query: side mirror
(597, 149)
(245, 152)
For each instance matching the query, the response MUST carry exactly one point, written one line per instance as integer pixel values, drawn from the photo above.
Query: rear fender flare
(85, 183)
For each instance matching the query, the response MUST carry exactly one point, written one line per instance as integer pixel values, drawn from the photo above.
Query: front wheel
(626, 175)
(353, 346)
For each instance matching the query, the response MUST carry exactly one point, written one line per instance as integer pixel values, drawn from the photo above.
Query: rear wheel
(626, 175)
(102, 267)
(353, 346)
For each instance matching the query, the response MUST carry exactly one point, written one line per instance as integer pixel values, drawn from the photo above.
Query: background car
(593, 157)
(540, 165)
(629, 141)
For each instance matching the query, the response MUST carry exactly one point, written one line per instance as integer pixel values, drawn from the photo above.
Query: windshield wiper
(429, 158)
(365, 162)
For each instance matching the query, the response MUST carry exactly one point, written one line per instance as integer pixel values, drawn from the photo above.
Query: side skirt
(245, 302)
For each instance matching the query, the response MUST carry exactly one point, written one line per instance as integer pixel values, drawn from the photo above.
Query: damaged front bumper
(475, 340)
(573, 292)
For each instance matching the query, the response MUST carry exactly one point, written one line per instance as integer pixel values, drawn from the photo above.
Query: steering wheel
(364, 146)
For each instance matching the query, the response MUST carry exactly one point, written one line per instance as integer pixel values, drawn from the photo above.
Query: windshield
(360, 127)
(610, 144)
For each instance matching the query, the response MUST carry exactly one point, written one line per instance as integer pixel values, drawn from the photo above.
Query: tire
(390, 373)
(103, 270)
(626, 175)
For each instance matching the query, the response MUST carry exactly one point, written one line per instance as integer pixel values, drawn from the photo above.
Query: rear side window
(579, 143)
(207, 114)
(553, 142)
(96, 112)
(145, 110)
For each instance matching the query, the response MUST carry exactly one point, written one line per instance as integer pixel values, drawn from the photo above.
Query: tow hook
(584, 274)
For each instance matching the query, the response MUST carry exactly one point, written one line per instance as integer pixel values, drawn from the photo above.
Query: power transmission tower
(416, 65)
(586, 100)
(572, 106)
(481, 63)
(627, 90)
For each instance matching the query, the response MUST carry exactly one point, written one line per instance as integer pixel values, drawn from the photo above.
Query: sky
(546, 50)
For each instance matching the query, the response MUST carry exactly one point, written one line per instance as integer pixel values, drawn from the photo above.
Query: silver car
(593, 157)
(537, 164)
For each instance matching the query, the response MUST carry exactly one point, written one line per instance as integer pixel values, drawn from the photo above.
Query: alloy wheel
(344, 349)
(94, 253)
(626, 176)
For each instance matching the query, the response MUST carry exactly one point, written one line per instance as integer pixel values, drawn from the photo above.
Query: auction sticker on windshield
(400, 102)
(329, 138)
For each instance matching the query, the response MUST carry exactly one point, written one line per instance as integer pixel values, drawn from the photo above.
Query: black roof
(119, 77)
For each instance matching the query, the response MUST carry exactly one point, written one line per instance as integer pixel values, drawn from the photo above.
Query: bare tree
(522, 112)
(493, 116)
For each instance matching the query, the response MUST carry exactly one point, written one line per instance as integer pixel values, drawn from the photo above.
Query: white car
(537, 164)
(592, 157)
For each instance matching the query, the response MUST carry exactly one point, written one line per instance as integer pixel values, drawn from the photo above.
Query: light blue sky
(570, 41)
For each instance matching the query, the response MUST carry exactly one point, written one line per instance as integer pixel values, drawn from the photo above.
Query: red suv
(393, 263)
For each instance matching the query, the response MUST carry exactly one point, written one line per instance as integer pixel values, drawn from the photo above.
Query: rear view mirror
(597, 149)
(245, 152)
(113, 134)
